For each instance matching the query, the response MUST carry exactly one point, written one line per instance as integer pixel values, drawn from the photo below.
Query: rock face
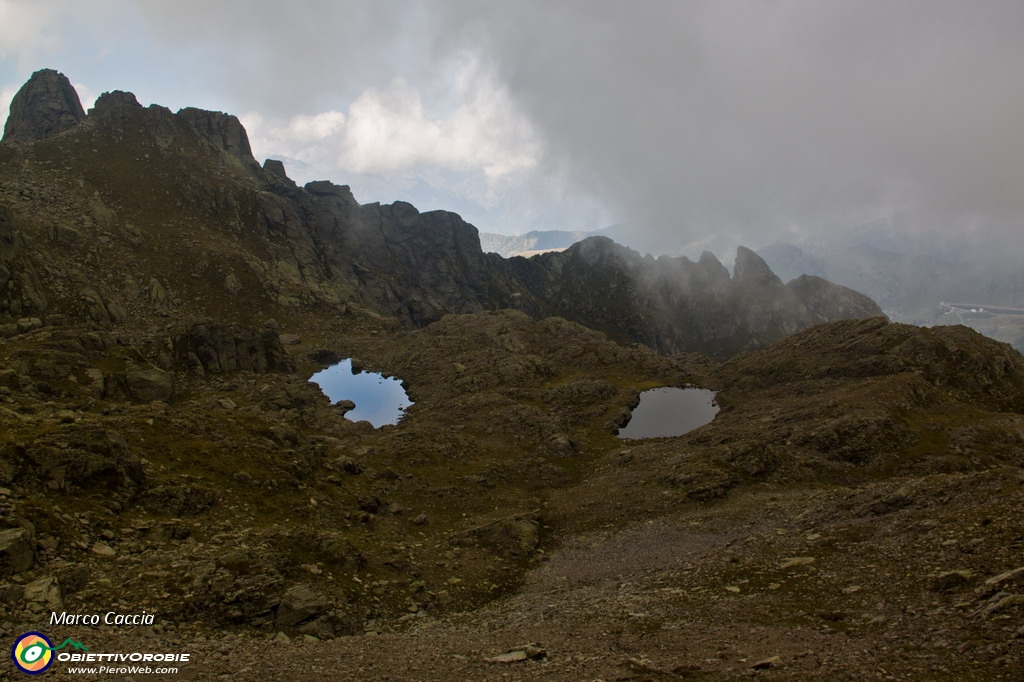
(20, 290)
(223, 131)
(214, 348)
(46, 105)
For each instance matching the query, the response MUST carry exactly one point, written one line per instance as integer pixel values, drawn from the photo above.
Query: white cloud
(86, 95)
(6, 95)
(390, 131)
(308, 143)
(27, 28)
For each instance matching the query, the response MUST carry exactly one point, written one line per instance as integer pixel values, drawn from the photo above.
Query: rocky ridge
(150, 186)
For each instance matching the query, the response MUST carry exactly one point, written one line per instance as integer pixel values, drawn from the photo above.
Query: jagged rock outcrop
(275, 167)
(224, 132)
(751, 270)
(111, 102)
(826, 301)
(710, 272)
(219, 348)
(45, 106)
(674, 304)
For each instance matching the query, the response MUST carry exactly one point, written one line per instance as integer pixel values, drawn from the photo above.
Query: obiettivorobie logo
(32, 653)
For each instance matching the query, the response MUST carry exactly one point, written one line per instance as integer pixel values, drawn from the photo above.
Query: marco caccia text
(109, 618)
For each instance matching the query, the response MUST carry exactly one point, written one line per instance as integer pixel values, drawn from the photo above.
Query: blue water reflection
(670, 412)
(379, 400)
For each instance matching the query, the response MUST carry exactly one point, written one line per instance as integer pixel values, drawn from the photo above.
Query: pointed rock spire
(45, 106)
(751, 269)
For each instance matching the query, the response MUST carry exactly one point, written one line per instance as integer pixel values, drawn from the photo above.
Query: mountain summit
(46, 105)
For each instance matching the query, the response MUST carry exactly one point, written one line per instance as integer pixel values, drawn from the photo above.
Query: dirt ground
(797, 585)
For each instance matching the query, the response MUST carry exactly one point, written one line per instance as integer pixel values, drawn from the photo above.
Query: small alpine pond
(379, 399)
(670, 411)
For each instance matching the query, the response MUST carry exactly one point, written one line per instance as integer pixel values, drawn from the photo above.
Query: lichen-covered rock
(80, 455)
(179, 500)
(45, 592)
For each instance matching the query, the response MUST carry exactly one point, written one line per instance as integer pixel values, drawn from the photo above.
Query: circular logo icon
(32, 653)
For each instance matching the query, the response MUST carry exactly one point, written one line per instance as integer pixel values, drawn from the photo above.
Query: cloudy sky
(695, 121)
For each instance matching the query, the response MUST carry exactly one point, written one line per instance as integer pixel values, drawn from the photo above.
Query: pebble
(766, 663)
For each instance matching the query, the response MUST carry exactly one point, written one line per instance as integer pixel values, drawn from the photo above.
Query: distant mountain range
(905, 277)
(912, 288)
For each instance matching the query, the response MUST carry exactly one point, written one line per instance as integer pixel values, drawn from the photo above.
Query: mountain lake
(670, 411)
(379, 399)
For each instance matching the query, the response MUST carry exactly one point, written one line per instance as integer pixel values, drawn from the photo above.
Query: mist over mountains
(917, 280)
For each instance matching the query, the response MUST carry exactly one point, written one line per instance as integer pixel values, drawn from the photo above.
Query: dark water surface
(379, 400)
(670, 412)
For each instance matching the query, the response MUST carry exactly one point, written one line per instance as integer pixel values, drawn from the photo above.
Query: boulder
(45, 592)
(512, 537)
(300, 604)
(147, 385)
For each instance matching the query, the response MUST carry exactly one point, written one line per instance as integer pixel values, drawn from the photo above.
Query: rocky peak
(223, 131)
(600, 249)
(45, 106)
(277, 178)
(275, 167)
(711, 270)
(751, 269)
(110, 102)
